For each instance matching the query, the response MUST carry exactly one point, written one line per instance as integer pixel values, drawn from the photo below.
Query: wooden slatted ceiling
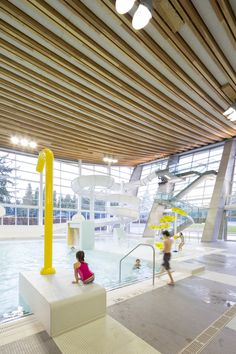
(77, 78)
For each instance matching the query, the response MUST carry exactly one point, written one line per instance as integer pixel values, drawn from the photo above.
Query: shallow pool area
(23, 256)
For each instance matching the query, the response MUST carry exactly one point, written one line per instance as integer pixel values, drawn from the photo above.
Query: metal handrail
(153, 260)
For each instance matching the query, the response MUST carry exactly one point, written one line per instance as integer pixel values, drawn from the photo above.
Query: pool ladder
(153, 260)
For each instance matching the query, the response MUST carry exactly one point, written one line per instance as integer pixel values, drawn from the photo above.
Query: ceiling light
(24, 142)
(109, 159)
(33, 144)
(230, 113)
(143, 14)
(15, 140)
(123, 6)
(232, 116)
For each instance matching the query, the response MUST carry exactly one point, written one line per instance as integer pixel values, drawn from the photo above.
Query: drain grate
(185, 352)
(204, 338)
(221, 322)
(231, 312)
(193, 348)
(211, 331)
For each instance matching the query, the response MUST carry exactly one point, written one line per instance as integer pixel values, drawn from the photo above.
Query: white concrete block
(60, 305)
(87, 235)
(192, 268)
(119, 233)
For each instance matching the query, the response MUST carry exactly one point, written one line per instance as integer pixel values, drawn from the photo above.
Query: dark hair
(137, 260)
(80, 256)
(166, 233)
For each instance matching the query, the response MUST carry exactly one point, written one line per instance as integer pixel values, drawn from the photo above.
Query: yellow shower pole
(46, 159)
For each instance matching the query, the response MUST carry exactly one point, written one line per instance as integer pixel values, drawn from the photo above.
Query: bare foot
(171, 283)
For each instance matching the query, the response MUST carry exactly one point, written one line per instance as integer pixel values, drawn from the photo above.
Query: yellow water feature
(46, 159)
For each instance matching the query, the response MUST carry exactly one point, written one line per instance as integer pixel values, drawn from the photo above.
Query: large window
(199, 161)
(146, 193)
(20, 185)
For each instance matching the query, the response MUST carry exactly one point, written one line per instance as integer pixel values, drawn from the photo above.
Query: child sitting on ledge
(81, 270)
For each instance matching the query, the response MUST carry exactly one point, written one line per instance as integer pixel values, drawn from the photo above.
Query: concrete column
(136, 175)
(79, 196)
(172, 167)
(92, 200)
(214, 221)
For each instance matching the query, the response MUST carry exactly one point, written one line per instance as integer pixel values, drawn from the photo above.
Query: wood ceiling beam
(198, 121)
(191, 16)
(225, 14)
(72, 155)
(74, 130)
(71, 104)
(230, 92)
(185, 51)
(153, 48)
(46, 138)
(81, 36)
(39, 112)
(178, 107)
(68, 139)
(54, 110)
(32, 88)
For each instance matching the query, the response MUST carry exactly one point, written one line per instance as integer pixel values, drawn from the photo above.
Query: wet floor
(221, 263)
(169, 318)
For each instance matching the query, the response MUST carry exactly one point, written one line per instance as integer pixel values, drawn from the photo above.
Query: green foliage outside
(5, 172)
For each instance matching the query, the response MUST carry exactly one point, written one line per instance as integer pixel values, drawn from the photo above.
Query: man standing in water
(167, 254)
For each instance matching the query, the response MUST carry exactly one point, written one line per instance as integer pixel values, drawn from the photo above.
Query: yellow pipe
(46, 159)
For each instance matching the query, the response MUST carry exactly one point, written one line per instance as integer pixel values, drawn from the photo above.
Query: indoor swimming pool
(23, 256)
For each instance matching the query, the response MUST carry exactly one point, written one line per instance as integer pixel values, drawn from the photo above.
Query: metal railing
(153, 260)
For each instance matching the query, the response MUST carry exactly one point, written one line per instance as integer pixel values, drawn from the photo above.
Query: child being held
(137, 264)
(81, 270)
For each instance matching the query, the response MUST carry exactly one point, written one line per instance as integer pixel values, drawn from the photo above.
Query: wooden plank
(59, 75)
(77, 33)
(71, 104)
(184, 50)
(190, 15)
(230, 92)
(226, 15)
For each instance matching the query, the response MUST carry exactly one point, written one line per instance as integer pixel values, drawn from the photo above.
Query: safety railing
(153, 260)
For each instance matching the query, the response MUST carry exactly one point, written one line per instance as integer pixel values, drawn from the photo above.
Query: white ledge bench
(60, 305)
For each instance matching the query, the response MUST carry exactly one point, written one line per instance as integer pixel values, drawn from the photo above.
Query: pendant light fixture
(123, 6)
(230, 113)
(142, 15)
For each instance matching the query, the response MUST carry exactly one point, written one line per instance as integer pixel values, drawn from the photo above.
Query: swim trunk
(166, 260)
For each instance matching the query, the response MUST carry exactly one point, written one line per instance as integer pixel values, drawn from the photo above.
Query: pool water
(22, 256)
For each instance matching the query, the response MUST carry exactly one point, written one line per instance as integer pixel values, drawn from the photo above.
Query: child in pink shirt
(81, 270)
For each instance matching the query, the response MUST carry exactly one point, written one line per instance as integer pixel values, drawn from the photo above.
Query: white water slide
(104, 188)
(100, 187)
